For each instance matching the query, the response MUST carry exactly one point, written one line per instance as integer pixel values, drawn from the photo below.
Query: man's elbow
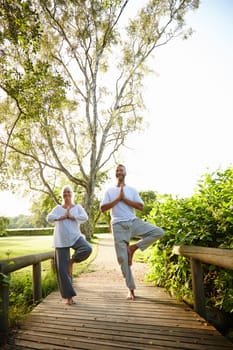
(140, 207)
(103, 208)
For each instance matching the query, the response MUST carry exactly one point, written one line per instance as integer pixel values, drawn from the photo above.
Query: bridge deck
(103, 319)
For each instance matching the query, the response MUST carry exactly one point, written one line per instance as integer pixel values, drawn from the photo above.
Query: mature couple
(121, 200)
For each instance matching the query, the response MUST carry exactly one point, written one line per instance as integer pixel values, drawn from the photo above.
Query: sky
(189, 111)
(189, 107)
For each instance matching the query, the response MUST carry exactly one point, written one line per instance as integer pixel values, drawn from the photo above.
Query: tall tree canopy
(71, 75)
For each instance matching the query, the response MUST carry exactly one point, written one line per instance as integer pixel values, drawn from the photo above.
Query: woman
(67, 234)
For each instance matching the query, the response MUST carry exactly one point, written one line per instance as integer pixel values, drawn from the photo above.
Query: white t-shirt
(121, 211)
(66, 232)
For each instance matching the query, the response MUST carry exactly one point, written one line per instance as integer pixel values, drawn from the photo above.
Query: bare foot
(131, 250)
(131, 295)
(70, 301)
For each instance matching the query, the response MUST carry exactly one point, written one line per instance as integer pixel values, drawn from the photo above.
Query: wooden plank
(103, 319)
(124, 335)
(102, 323)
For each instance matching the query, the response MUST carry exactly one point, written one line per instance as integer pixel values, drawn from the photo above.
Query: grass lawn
(10, 247)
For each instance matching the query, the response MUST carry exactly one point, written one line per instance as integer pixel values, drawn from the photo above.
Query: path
(104, 320)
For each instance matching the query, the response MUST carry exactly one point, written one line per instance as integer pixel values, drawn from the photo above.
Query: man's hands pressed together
(121, 193)
(122, 197)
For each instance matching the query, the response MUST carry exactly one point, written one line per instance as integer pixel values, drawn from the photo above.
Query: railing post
(36, 282)
(4, 306)
(198, 287)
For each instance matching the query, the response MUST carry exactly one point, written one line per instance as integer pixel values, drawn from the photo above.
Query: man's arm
(129, 202)
(111, 204)
(135, 205)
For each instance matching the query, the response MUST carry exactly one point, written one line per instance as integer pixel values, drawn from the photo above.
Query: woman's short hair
(66, 188)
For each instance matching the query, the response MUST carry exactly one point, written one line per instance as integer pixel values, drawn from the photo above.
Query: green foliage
(40, 208)
(205, 219)
(20, 221)
(4, 279)
(149, 198)
(4, 222)
(21, 295)
(30, 232)
(102, 228)
(19, 24)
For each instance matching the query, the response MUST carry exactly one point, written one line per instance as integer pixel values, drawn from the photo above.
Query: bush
(21, 295)
(30, 231)
(47, 231)
(205, 219)
(101, 228)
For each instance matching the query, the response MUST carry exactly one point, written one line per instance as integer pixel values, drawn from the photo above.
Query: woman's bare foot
(70, 301)
(131, 295)
(131, 250)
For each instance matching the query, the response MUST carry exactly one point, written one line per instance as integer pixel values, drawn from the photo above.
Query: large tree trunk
(89, 226)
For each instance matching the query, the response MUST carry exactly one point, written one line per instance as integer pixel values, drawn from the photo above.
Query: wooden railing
(199, 255)
(11, 265)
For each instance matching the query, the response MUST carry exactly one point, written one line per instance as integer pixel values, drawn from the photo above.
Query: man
(122, 201)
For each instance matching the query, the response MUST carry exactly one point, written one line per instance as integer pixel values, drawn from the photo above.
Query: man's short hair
(123, 166)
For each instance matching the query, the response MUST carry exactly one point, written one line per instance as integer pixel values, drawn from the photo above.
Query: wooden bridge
(103, 319)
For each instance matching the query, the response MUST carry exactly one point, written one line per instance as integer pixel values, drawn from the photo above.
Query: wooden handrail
(198, 255)
(216, 256)
(10, 265)
(14, 264)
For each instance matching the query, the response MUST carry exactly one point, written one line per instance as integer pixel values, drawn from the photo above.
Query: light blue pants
(125, 230)
(82, 250)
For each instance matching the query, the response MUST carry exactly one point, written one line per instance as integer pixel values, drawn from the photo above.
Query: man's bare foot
(131, 295)
(70, 268)
(131, 250)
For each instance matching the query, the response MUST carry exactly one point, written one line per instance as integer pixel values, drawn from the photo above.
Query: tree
(20, 221)
(4, 222)
(76, 93)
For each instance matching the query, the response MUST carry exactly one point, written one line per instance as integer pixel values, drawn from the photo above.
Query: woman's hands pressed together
(67, 215)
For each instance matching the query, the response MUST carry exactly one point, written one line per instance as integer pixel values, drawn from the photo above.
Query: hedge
(45, 231)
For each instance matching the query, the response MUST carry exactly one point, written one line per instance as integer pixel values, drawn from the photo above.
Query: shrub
(205, 219)
(21, 295)
(30, 231)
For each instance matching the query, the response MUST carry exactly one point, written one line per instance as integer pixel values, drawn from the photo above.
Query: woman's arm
(79, 214)
(55, 215)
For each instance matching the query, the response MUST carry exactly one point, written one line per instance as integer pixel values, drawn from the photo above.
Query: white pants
(125, 230)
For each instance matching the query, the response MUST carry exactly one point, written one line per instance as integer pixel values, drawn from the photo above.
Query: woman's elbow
(50, 219)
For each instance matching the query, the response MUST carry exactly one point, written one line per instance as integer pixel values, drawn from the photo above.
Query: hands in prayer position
(67, 215)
